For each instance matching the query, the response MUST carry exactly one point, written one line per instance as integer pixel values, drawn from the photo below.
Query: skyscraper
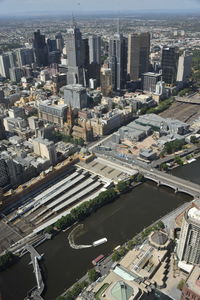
(40, 49)
(169, 63)
(117, 58)
(144, 52)
(24, 57)
(59, 41)
(75, 57)
(16, 74)
(188, 249)
(2, 129)
(184, 68)
(12, 59)
(52, 45)
(4, 65)
(138, 55)
(133, 56)
(106, 82)
(95, 49)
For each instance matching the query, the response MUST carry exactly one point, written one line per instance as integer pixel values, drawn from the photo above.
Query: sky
(15, 7)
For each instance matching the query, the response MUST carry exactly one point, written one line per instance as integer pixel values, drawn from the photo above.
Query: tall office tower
(144, 52)
(54, 57)
(24, 57)
(2, 129)
(149, 81)
(40, 49)
(184, 68)
(75, 56)
(188, 249)
(133, 56)
(85, 52)
(4, 65)
(106, 82)
(4, 176)
(169, 64)
(12, 59)
(113, 66)
(51, 45)
(2, 96)
(95, 49)
(59, 41)
(16, 74)
(118, 63)
(138, 55)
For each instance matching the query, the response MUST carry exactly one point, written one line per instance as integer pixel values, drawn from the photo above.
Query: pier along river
(118, 222)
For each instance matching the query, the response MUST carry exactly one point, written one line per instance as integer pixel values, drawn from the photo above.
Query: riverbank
(121, 251)
(79, 213)
(119, 221)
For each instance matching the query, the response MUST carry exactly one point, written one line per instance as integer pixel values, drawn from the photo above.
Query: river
(190, 171)
(118, 221)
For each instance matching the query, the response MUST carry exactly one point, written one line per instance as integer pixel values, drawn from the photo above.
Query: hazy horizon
(31, 7)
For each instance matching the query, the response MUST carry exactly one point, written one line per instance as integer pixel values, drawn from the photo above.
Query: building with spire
(75, 56)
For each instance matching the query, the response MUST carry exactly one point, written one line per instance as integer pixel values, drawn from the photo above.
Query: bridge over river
(176, 183)
(35, 293)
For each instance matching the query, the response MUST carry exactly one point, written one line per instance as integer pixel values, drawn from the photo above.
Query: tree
(122, 186)
(93, 275)
(193, 139)
(178, 160)
(7, 260)
(139, 177)
(180, 284)
(49, 229)
(116, 256)
(164, 167)
(160, 225)
(171, 147)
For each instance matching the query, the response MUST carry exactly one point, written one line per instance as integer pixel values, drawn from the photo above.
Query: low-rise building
(56, 114)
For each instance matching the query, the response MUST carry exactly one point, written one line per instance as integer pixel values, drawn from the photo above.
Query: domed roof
(159, 237)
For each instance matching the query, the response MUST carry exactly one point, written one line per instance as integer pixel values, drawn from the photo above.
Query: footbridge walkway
(35, 293)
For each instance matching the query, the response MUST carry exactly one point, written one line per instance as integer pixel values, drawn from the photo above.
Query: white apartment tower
(188, 249)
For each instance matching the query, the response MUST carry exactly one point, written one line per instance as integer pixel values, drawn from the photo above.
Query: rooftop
(194, 213)
(151, 74)
(74, 87)
(193, 281)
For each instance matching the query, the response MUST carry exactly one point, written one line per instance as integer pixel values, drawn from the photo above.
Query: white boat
(191, 160)
(99, 242)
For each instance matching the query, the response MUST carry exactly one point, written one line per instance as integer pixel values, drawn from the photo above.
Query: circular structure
(159, 239)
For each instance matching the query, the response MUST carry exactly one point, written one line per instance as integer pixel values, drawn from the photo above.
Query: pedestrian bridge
(35, 293)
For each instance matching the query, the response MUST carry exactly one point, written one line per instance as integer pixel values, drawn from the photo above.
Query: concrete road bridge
(176, 183)
(161, 178)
